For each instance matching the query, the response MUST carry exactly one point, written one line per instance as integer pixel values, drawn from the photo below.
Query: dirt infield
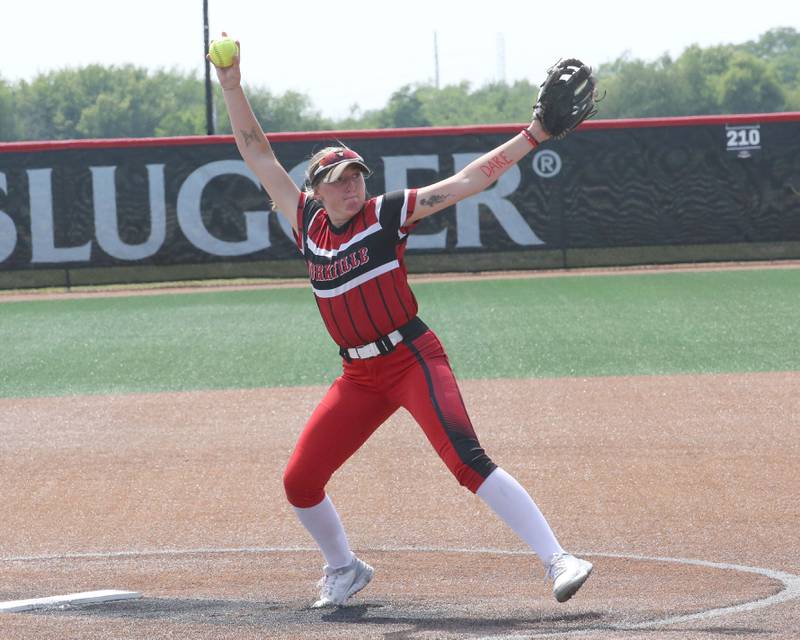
(681, 489)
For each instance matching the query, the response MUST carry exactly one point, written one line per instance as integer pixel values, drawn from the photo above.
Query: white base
(86, 597)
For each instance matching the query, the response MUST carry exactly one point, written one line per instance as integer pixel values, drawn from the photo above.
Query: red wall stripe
(185, 141)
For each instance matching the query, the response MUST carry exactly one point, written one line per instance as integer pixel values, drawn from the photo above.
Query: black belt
(385, 344)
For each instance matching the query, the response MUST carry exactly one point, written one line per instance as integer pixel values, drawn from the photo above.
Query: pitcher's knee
(472, 477)
(465, 458)
(300, 491)
(469, 464)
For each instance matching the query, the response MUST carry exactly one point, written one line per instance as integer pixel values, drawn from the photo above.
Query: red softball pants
(417, 376)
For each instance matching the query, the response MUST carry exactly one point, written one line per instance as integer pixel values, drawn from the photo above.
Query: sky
(359, 53)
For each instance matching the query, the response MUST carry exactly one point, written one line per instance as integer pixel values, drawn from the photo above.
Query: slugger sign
(127, 213)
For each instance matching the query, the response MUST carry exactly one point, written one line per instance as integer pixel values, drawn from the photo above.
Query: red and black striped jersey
(357, 271)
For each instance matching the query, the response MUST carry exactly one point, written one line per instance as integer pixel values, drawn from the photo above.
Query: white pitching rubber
(85, 597)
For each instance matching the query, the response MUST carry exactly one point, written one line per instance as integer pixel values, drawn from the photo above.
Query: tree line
(759, 76)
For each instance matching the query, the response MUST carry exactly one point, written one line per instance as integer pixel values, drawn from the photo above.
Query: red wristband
(529, 137)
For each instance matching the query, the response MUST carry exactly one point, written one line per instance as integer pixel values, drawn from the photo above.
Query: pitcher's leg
(343, 421)
(323, 523)
(345, 418)
(509, 500)
(441, 413)
(429, 392)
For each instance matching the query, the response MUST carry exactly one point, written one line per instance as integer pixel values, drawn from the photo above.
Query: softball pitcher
(354, 249)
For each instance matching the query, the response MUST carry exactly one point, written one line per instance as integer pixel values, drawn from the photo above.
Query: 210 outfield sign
(47, 215)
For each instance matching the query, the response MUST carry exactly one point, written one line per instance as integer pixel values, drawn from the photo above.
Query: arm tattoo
(249, 136)
(496, 164)
(435, 199)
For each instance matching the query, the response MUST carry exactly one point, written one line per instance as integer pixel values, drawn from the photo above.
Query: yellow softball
(222, 51)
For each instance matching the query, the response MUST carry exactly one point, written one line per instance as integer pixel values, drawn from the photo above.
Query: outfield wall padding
(612, 193)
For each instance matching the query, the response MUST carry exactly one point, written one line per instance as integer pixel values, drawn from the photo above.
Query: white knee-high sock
(509, 500)
(323, 523)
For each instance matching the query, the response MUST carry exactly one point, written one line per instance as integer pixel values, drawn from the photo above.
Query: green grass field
(596, 325)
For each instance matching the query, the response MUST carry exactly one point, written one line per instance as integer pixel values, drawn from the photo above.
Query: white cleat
(337, 585)
(568, 574)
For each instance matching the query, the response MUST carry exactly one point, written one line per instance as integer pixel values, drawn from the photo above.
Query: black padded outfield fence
(615, 192)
